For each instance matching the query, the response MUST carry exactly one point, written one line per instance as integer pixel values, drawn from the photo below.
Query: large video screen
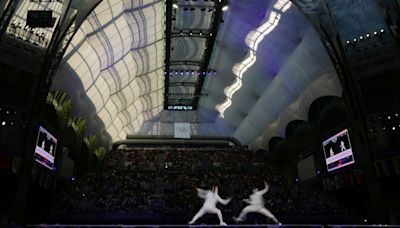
(337, 150)
(45, 150)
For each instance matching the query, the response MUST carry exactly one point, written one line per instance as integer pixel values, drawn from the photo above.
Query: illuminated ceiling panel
(271, 65)
(116, 62)
(195, 15)
(187, 48)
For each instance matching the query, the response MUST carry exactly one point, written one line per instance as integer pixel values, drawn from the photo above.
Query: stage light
(297, 179)
(12, 123)
(393, 128)
(375, 33)
(396, 114)
(355, 40)
(182, 73)
(8, 112)
(384, 128)
(361, 38)
(365, 220)
(210, 33)
(200, 33)
(73, 178)
(190, 33)
(3, 123)
(368, 35)
(225, 8)
(382, 30)
(348, 42)
(175, 6)
(389, 117)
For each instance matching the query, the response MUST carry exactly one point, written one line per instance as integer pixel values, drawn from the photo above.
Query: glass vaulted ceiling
(115, 67)
(114, 70)
(192, 23)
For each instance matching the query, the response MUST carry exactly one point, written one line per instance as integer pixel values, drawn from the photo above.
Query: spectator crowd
(160, 183)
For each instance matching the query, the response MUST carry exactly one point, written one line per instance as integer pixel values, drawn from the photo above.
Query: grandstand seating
(158, 186)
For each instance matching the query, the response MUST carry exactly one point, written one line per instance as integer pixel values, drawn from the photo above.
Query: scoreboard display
(338, 151)
(40, 18)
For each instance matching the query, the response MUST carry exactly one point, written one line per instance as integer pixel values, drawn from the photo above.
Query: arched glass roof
(274, 67)
(114, 66)
(269, 60)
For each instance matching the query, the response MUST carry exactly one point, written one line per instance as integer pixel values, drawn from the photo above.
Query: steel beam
(210, 45)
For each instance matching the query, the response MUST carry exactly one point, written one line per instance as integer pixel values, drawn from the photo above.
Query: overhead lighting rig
(191, 32)
(177, 11)
(361, 38)
(190, 73)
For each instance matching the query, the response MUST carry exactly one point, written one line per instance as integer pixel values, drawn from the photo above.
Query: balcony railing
(33, 35)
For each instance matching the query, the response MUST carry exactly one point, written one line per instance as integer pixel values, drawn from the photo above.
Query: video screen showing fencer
(45, 150)
(337, 151)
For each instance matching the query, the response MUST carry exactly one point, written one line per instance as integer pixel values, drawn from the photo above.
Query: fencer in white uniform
(256, 204)
(211, 198)
(342, 146)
